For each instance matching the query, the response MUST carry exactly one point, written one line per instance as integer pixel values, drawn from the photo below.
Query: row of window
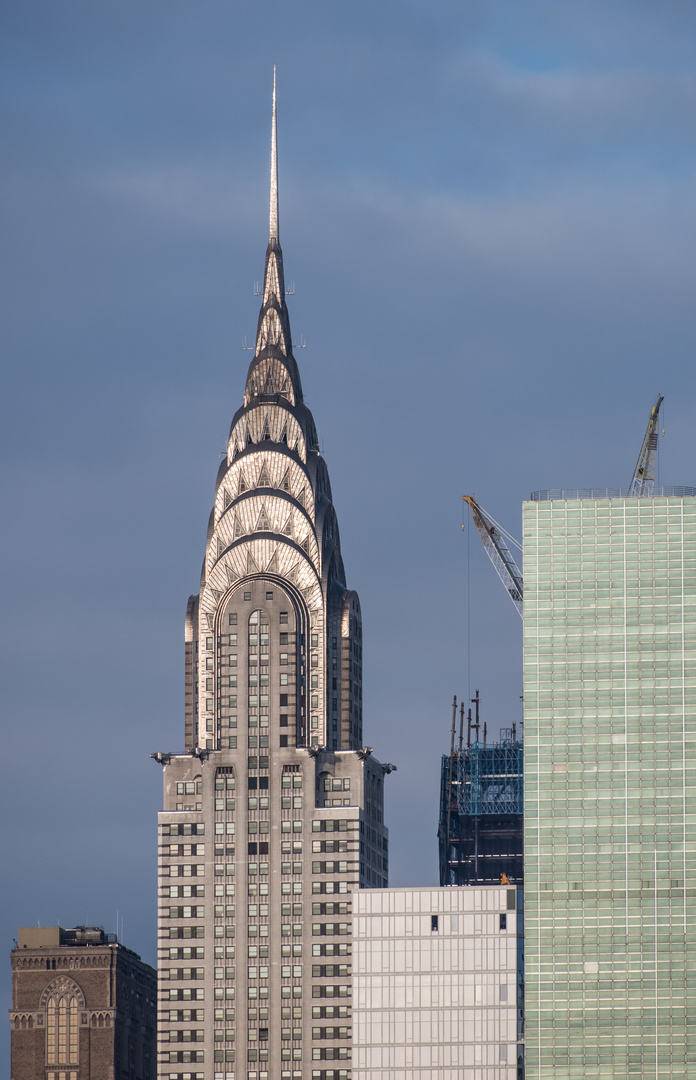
(227, 993)
(227, 889)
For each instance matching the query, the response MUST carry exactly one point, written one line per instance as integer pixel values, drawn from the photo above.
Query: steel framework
(481, 813)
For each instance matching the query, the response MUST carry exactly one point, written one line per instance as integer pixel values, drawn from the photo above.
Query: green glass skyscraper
(610, 784)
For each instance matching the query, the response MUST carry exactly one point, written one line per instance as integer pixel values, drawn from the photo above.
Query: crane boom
(493, 539)
(643, 481)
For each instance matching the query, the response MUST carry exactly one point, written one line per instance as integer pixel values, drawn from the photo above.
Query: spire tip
(273, 223)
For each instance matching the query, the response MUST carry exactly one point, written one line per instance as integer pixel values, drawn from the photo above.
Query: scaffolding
(481, 809)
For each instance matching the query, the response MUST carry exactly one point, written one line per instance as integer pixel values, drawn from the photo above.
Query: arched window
(258, 660)
(61, 1031)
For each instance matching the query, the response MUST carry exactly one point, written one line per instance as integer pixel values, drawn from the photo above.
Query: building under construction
(481, 822)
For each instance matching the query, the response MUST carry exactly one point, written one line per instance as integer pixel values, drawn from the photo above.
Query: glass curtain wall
(610, 787)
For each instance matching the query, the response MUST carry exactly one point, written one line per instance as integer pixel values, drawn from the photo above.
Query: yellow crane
(643, 482)
(494, 537)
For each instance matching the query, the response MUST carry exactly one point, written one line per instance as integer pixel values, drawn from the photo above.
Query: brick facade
(108, 1027)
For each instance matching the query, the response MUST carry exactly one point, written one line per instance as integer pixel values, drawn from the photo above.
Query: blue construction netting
(488, 779)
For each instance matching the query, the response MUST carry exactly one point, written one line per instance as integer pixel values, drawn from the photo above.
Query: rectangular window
(233, 618)
(503, 922)
(433, 922)
(283, 617)
(283, 678)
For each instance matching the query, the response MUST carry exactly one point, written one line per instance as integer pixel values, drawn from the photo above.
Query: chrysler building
(273, 812)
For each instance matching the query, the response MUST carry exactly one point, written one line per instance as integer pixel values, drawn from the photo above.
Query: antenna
(247, 348)
(291, 290)
(475, 701)
(461, 726)
(273, 222)
(454, 722)
(258, 291)
(302, 344)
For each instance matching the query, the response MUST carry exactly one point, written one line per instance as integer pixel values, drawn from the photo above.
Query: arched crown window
(61, 1032)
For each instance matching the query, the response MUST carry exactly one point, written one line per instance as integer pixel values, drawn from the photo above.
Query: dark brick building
(83, 1007)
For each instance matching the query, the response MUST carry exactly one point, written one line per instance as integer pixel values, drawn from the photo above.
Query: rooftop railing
(568, 494)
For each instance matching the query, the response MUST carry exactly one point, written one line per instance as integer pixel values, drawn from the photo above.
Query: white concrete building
(438, 984)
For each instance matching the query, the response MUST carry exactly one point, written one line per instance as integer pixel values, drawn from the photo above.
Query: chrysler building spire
(274, 768)
(273, 355)
(274, 520)
(273, 223)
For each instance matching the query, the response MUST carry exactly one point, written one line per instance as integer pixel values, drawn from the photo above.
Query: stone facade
(273, 815)
(83, 1008)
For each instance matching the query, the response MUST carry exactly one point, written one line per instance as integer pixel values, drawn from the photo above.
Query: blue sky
(488, 211)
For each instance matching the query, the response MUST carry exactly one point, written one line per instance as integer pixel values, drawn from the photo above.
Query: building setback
(83, 1007)
(273, 814)
(610, 785)
(437, 984)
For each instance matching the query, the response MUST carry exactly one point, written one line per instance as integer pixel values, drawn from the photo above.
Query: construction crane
(494, 537)
(643, 482)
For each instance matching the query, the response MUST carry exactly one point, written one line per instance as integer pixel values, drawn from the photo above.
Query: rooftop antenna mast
(643, 482)
(449, 785)
(273, 216)
(476, 701)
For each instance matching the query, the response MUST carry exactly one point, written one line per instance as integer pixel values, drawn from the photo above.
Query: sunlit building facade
(610, 786)
(273, 813)
(438, 984)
